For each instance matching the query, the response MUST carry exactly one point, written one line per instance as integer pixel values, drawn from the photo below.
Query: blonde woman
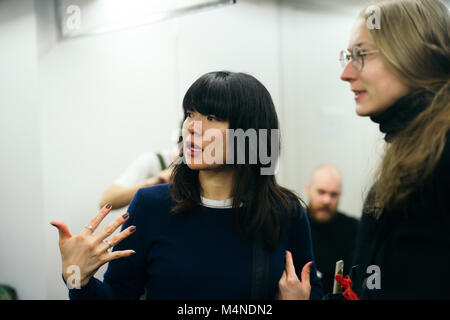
(398, 68)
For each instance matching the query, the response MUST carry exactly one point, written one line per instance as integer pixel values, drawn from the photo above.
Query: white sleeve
(145, 166)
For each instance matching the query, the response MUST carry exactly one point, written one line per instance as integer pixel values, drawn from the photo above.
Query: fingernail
(125, 215)
(108, 205)
(132, 229)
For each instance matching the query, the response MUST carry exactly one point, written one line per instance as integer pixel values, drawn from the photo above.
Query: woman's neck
(397, 117)
(216, 184)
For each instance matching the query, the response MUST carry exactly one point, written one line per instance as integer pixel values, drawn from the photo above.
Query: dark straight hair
(246, 104)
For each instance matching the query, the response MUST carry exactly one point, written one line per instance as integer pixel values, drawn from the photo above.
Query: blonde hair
(413, 38)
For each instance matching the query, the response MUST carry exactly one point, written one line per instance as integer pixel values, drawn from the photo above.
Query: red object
(347, 284)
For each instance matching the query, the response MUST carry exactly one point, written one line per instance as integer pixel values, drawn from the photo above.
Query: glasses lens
(357, 58)
(344, 58)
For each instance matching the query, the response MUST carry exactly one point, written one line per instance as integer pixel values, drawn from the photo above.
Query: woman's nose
(349, 73)
(195, 127)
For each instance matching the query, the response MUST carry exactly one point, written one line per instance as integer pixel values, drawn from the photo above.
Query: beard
(321, 212)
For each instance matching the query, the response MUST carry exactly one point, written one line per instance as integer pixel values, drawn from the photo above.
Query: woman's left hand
(290, 287)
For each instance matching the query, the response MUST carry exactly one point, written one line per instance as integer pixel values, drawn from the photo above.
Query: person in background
(147, 170)
(333, 233)
(398, 66)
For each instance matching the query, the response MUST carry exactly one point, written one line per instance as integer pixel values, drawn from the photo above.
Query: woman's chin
(204, 166)
(363, 110)
(193, 166)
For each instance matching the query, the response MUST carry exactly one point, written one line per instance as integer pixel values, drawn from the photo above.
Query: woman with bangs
(221, 229)
(398, 68)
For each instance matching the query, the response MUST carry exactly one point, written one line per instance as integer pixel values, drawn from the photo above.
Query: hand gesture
(88, 252)
(290, 287)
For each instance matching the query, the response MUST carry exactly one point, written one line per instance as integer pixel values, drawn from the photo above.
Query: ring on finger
(108, 243)
(90, 227)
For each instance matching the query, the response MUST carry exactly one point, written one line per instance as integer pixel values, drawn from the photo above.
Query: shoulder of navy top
(158, 197)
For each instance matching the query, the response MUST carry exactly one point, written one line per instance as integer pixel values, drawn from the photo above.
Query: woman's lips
(193, 150)
(359, 94)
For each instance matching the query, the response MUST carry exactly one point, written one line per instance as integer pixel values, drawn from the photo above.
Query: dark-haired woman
(222, 229)
(399, 72)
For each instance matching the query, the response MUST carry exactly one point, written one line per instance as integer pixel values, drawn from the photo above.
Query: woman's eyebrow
(355, 45)
(360, 44)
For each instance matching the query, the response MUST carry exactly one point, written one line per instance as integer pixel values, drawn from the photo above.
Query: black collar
(395, 118)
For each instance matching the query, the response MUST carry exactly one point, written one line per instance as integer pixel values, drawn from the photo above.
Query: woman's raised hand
(290, 287)
(88, 252)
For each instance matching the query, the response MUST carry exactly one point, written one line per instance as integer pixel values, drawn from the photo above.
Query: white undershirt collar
(223, 204)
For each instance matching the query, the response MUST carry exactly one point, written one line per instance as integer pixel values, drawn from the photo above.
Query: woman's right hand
(88, 252)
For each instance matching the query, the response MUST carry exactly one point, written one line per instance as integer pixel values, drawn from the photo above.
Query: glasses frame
(345, 57)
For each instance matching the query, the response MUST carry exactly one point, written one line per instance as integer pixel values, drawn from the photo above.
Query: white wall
(22, 225)
(74, 113)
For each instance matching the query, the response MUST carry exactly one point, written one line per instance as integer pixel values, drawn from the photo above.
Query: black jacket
(333, 241)
(413, 252)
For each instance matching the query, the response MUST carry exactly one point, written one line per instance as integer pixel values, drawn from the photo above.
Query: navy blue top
(192, 256)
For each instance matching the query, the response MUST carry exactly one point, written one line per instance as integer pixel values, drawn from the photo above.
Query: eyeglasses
(356, 55)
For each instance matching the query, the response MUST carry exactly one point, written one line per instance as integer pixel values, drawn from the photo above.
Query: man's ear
(308, 189)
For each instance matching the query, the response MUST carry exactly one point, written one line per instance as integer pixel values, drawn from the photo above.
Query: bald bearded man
(333, 233)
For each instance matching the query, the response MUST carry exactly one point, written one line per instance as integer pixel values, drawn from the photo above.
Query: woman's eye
(212, 118)
(188, 114)
(358, 53)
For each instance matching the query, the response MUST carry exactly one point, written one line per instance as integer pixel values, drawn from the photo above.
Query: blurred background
(86, 86)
